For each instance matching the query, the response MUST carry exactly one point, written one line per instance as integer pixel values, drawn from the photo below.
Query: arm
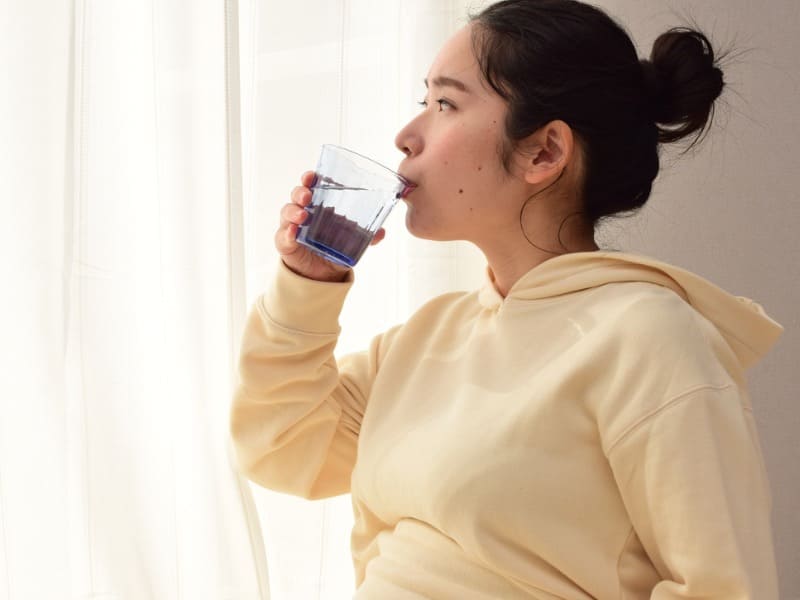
(296, 413)
(694, 484)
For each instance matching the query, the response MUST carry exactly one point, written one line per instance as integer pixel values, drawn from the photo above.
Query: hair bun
(681, 82)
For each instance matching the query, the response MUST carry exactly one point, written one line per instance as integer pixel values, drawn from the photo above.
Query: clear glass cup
(351, 196)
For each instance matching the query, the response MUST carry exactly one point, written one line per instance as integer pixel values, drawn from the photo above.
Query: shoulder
(653, 348)
(655, 328)
(655, 318)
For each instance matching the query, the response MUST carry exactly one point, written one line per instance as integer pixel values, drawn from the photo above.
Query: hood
(745, 326)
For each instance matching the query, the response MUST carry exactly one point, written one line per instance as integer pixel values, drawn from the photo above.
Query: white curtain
(146, 150)
(117, 275)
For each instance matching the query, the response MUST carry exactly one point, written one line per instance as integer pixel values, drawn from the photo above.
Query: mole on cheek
(460, 191)
(479, 167)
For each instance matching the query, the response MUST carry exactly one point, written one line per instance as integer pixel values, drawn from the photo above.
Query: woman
(577, 428)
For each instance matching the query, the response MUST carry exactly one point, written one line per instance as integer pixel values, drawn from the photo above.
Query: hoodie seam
(677, 399)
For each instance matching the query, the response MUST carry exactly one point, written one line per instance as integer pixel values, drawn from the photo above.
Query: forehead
(455, 59)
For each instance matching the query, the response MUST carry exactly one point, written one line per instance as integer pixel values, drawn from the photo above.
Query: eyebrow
(443, 81)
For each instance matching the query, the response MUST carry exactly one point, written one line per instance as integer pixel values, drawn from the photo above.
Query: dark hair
(562, 59)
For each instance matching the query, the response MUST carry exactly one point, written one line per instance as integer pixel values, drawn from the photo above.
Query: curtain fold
(236, 264)
(120, 260)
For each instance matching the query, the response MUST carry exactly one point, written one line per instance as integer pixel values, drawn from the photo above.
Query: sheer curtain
(348, 72)
(117, 321)
(147, 148)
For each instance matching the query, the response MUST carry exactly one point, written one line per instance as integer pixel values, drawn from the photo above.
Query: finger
(285, 242)
(307, 178)
(379, 235)
(301, 195)
(291, 213)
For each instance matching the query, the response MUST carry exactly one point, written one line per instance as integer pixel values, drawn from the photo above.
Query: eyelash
(441, 102)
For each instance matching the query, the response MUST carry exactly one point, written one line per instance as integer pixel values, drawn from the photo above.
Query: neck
(509, 262)
(547, 228)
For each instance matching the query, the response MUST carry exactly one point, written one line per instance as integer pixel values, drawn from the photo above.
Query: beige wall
(731, 211)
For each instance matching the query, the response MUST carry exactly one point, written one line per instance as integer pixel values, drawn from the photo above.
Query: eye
(442, 104)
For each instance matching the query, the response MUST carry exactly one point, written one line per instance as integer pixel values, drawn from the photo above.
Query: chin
(414, 226)
(424, 231)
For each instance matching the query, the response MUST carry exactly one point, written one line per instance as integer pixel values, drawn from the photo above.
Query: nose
(408, 140)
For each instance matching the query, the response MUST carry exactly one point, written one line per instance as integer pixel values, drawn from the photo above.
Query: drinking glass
(351, 197)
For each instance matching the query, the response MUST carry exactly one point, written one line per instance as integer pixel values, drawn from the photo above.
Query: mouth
(408, 187)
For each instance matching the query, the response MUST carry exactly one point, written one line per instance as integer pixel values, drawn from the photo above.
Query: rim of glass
(402, 179)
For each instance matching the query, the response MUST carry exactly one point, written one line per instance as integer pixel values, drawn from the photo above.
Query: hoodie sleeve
(694, 484)
(296, 412)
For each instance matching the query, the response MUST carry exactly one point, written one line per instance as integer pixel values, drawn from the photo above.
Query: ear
(550, 148)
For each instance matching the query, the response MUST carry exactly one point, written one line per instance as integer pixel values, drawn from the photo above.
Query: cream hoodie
(588, 436)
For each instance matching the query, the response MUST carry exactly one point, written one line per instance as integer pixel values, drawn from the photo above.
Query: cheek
(466, 158)
(467, 161)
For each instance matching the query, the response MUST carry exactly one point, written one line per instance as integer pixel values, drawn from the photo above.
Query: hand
(297, 257)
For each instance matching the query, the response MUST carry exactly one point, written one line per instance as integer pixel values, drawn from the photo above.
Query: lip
(410, 186)
(407, 190)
